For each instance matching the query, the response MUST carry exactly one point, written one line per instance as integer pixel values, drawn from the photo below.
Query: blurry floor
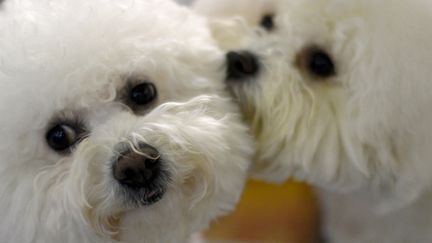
(270, 214)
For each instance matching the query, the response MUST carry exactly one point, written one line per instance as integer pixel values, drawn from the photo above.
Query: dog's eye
(267, 22)
(143, 93)
(61, 137)
(317, 62)
(320, 64)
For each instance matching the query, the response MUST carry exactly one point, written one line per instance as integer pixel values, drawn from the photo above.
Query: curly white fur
(75, 61)
(364, 133)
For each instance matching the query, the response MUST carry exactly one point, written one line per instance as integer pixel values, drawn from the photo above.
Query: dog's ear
(229, 33)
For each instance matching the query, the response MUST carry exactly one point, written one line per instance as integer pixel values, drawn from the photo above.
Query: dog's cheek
(202, 145)
(91, 191)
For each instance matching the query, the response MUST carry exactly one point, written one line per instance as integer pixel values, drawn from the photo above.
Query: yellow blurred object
(270, 214)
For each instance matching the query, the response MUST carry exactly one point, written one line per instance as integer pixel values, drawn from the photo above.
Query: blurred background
(269, 213)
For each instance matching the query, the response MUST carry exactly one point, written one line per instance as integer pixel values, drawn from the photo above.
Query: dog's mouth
(152, 197)
(146, 196)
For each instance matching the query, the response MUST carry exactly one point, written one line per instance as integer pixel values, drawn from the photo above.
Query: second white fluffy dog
(339, 94)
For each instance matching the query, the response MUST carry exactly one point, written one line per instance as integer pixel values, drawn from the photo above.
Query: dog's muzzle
(140, 172)
(241, 65)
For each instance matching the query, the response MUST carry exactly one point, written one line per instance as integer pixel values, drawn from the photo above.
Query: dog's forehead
(95, 29)
(64, 45)
(251, 10)
(335, 15)
(68, 54)
(110, 32)
(345, 28)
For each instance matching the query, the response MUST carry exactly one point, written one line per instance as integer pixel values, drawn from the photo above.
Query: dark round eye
(61, 137)
(320, 64)
(267, 22)
(143, 93)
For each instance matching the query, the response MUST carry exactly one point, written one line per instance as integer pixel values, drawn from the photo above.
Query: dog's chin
(148, 197)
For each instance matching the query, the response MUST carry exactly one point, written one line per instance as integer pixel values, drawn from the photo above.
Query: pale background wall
(185, 2)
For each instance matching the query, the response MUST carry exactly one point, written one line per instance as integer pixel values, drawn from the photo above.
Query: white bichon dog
(105, 133)
(339, 93)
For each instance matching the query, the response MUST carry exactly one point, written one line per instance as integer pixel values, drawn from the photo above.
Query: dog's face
(332, 88)
(105, 133)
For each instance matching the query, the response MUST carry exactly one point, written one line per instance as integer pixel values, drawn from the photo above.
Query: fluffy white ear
(229, 33)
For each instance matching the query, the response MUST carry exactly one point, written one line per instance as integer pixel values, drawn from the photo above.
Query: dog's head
(337, 92)
(114, 124)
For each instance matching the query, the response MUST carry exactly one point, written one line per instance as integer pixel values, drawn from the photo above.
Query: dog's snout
(137, 168)
(241, 65)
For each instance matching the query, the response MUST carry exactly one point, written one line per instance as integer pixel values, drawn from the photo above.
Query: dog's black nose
(241, 65)
(137, 168)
